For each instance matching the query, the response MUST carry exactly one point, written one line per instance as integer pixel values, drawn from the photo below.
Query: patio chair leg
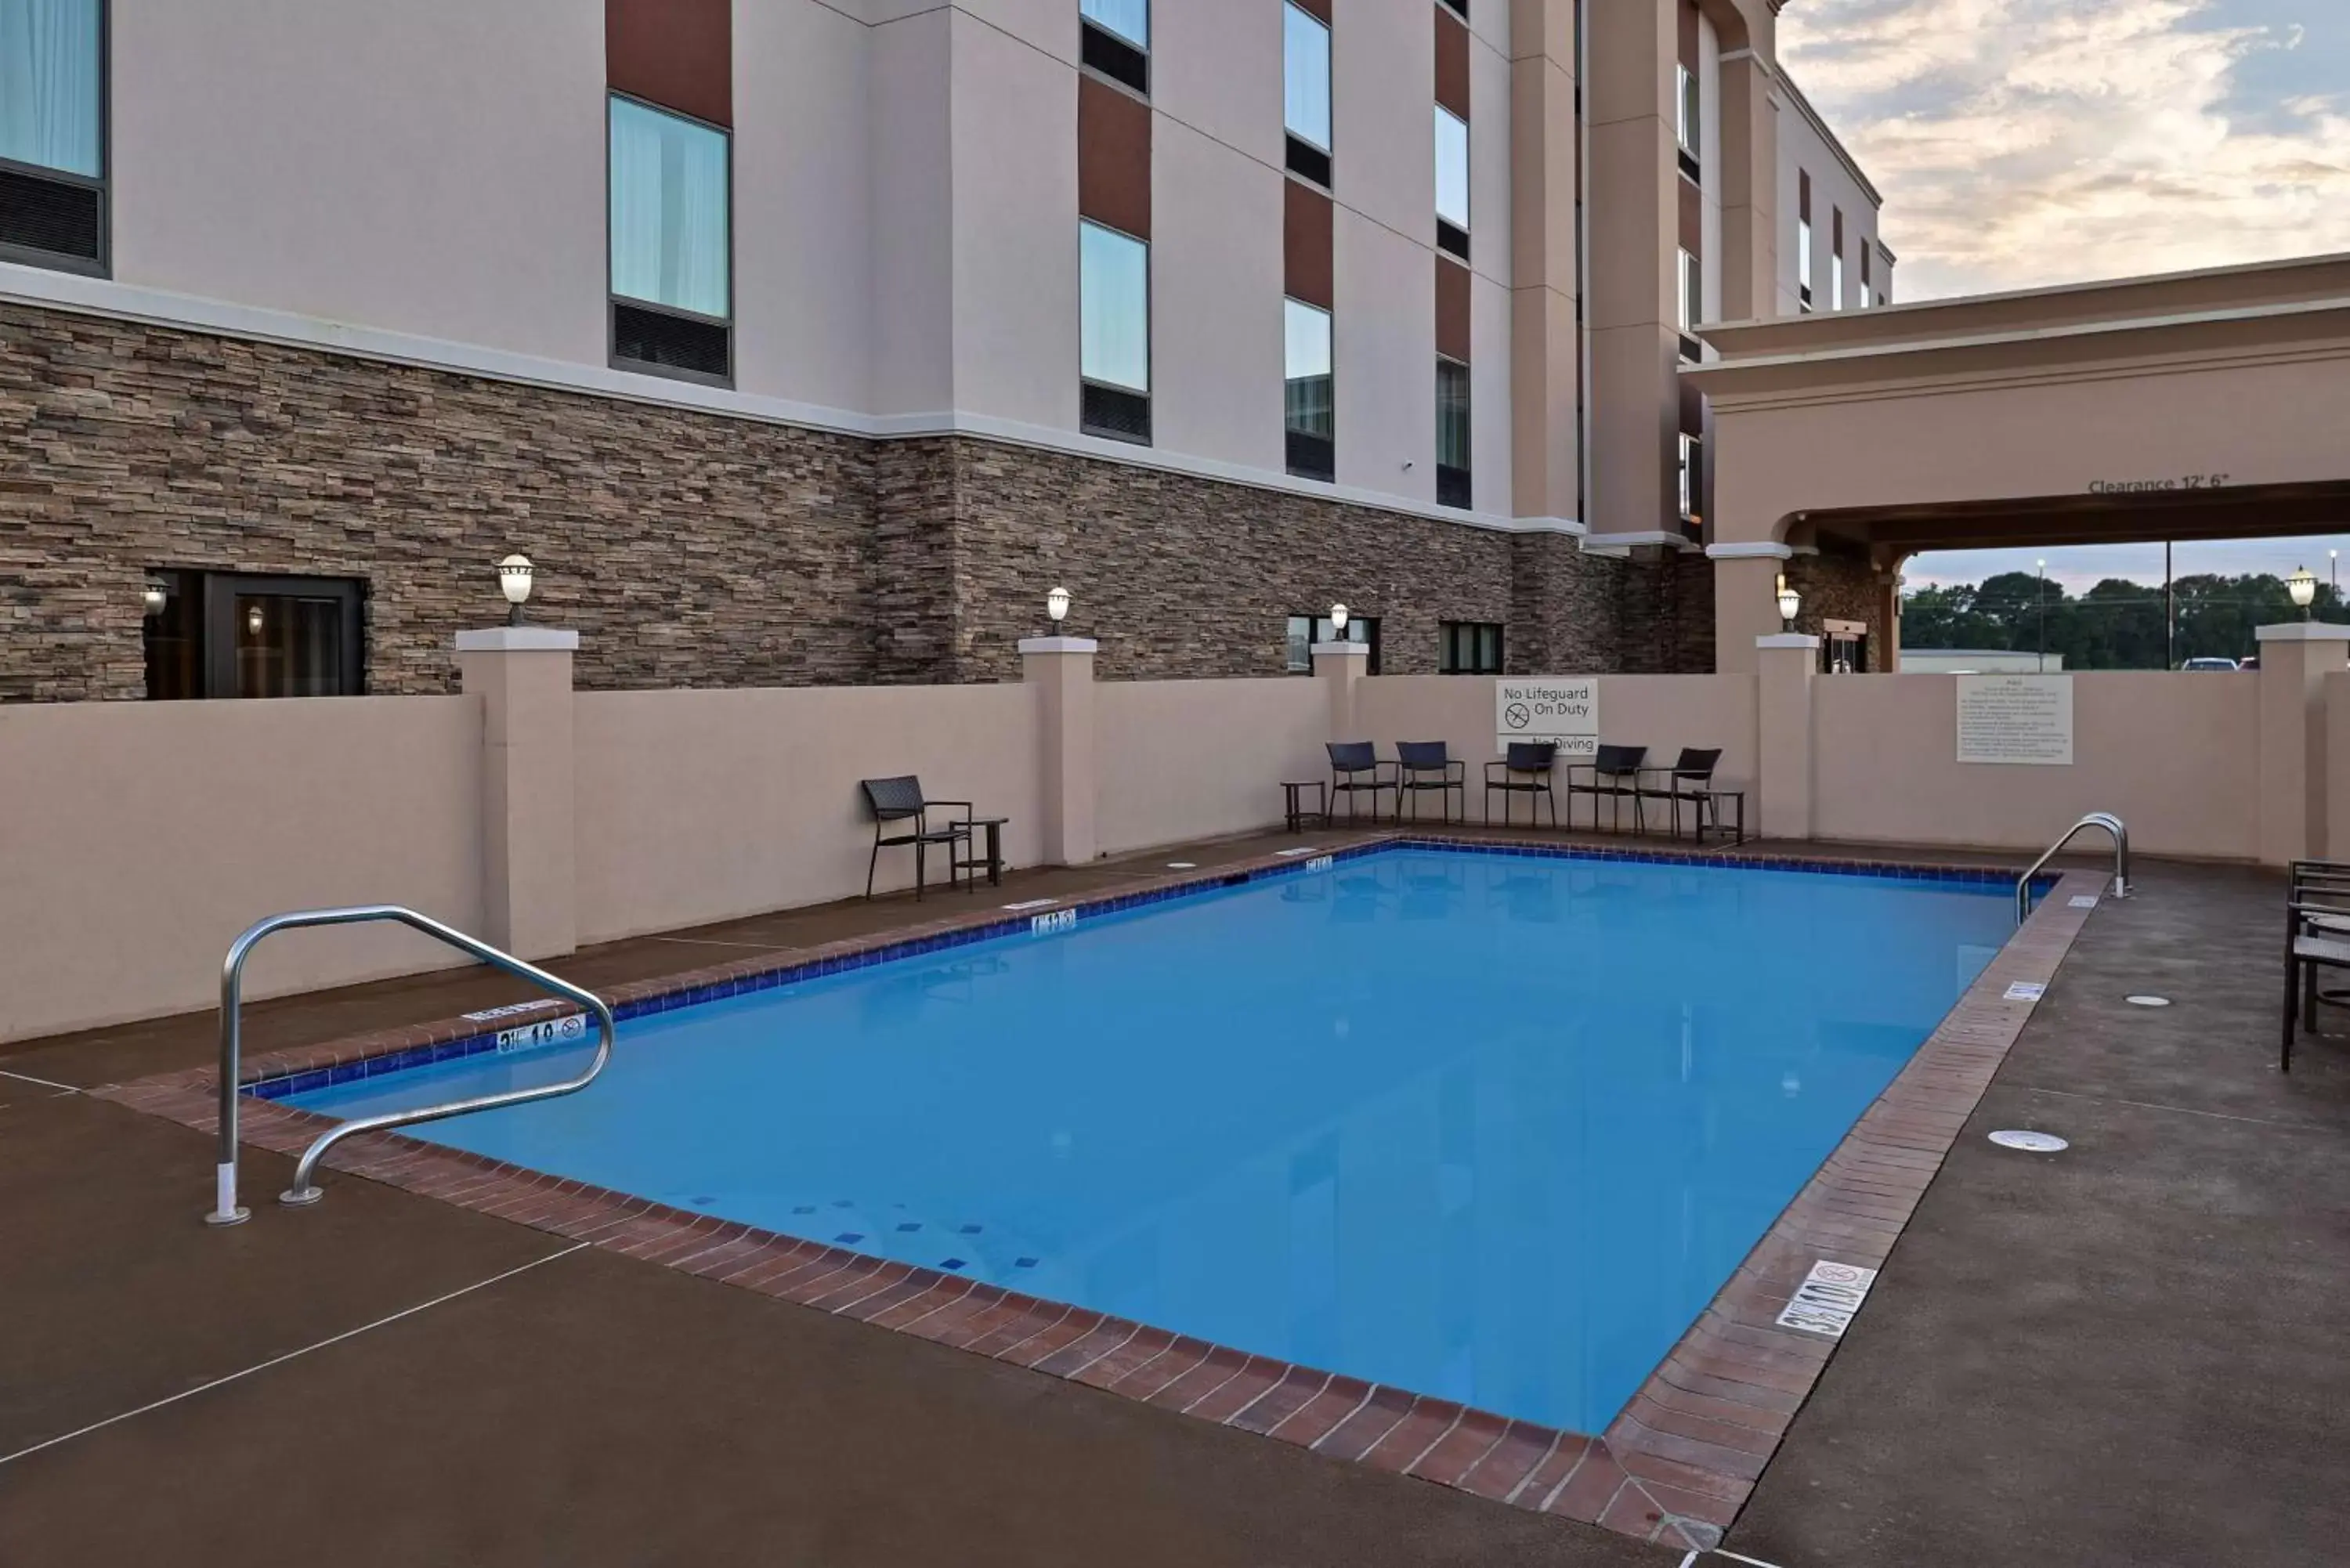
(2285, 1061)
(871, 861)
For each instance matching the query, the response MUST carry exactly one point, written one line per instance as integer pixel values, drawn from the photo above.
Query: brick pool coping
(1675, 1465)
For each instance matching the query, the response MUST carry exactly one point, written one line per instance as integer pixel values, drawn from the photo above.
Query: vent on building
(1312, 456)
(1310, 161)
(1115, 412)
(679, 344)
(1451, 485)
(1115, 59)
(55, 218)
(1453, 239)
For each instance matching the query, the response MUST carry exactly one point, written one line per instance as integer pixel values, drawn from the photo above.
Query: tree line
(2117, 625)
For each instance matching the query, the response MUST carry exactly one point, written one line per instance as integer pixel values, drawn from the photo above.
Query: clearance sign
(1564, 710)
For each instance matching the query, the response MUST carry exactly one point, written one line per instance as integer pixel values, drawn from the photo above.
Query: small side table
(991, 861)
(1296, 812)
(1716, 796)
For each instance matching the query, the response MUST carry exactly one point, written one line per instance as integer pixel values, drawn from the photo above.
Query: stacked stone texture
(1840, 584)
(694, 549)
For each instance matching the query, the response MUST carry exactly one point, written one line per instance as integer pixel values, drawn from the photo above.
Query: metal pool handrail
(304, 1190)
(2105, 819)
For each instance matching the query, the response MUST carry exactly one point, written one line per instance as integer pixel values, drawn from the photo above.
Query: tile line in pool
(1492, 1128)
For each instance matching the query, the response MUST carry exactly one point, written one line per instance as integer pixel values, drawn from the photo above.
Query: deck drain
(2147, 1000)
(2031, 1142)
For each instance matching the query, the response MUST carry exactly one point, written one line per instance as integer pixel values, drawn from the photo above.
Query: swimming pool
(1488, 1127)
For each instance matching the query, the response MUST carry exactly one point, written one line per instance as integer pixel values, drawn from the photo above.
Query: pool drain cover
(2147, 1000)
(2034, 1142)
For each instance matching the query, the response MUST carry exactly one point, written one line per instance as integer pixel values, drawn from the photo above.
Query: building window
(1452, 182)
(1836, 281)
(1691, 306)
(673, 298)
(1452, 487)
(1459, 9)
(1686, 124)
(1804, 240)
(1692, 479)
(1469, 648)
(53, 196)
(1305, 630)
(223, 635)
(1308, 423)
(1115, 39)
(1114, 335)
(1305, 92)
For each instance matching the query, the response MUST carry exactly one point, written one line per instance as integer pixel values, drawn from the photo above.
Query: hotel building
(805, 342)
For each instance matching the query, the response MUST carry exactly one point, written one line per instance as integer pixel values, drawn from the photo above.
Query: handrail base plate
(300, 1197)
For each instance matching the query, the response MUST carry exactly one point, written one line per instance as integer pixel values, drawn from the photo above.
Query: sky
(2025, 143)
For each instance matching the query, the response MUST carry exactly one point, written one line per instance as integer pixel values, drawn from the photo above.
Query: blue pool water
(1492, 1128)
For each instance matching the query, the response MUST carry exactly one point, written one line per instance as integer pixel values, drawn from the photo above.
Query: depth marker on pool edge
(292, 1354)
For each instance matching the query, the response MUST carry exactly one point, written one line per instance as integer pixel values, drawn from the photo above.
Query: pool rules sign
(1561, 710)
(2026, 719)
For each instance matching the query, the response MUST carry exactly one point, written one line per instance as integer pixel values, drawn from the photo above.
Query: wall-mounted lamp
(153, 597)
(252, 620)
(1056, 606)
(1338, 622)
(513, 581)
(1789, 601)
(2303, 586)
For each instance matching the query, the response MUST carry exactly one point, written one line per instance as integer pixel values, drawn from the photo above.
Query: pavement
(2117, 1355)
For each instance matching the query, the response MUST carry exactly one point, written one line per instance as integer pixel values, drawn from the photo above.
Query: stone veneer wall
(687, 550)
(1841, 584)
(698, 549)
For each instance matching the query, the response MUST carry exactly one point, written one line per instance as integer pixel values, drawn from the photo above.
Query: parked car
(2209, 664)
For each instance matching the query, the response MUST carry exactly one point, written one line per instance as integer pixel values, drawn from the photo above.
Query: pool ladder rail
(304, 1191)
(2105, 819)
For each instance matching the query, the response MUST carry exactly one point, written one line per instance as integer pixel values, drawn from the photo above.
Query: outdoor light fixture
(513, 581)
(153, 597)
(1339, 621)
(1056, 605)
(1789, 601)
(253, 620)
(2303, 586)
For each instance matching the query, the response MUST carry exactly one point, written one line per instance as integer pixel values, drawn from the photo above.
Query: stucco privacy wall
(139, 838)
(2174, 756)
(1177, 760)
(1662, 713)
(702, 806)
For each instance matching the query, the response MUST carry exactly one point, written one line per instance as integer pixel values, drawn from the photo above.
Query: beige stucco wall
(139, 838)
(2173, 755)
(706, 805)
(1178, 760)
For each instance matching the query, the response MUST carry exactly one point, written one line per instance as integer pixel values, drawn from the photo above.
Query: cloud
(2025, 143)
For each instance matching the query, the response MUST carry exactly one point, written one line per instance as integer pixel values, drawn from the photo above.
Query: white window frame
(1292, 16)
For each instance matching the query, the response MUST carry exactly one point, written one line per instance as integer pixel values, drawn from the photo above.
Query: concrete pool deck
(589, 1408)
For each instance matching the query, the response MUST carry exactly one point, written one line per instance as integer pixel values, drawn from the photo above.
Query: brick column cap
(1789, 640)
(1342, 650)
(2302, 631)
(518, 640)
(1058, 645)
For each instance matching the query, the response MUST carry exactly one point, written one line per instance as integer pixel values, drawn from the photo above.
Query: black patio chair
(1525, 769)
(1614, 774)
(1691, 780)
(1425, 765)
(901, 800)
(1356, 769)
(2317, 936)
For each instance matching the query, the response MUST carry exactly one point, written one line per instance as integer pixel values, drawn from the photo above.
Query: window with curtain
(1129, 19)
(52, 86)
(1452, 488)
(1305, 77)
(1307, 416)
(1114, 289)
(1452, 167)
(670, 217)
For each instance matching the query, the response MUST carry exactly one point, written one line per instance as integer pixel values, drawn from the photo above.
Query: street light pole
(2042, 597)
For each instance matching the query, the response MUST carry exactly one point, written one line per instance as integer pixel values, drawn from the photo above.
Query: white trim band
(1058, 645)
(1755, 550)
